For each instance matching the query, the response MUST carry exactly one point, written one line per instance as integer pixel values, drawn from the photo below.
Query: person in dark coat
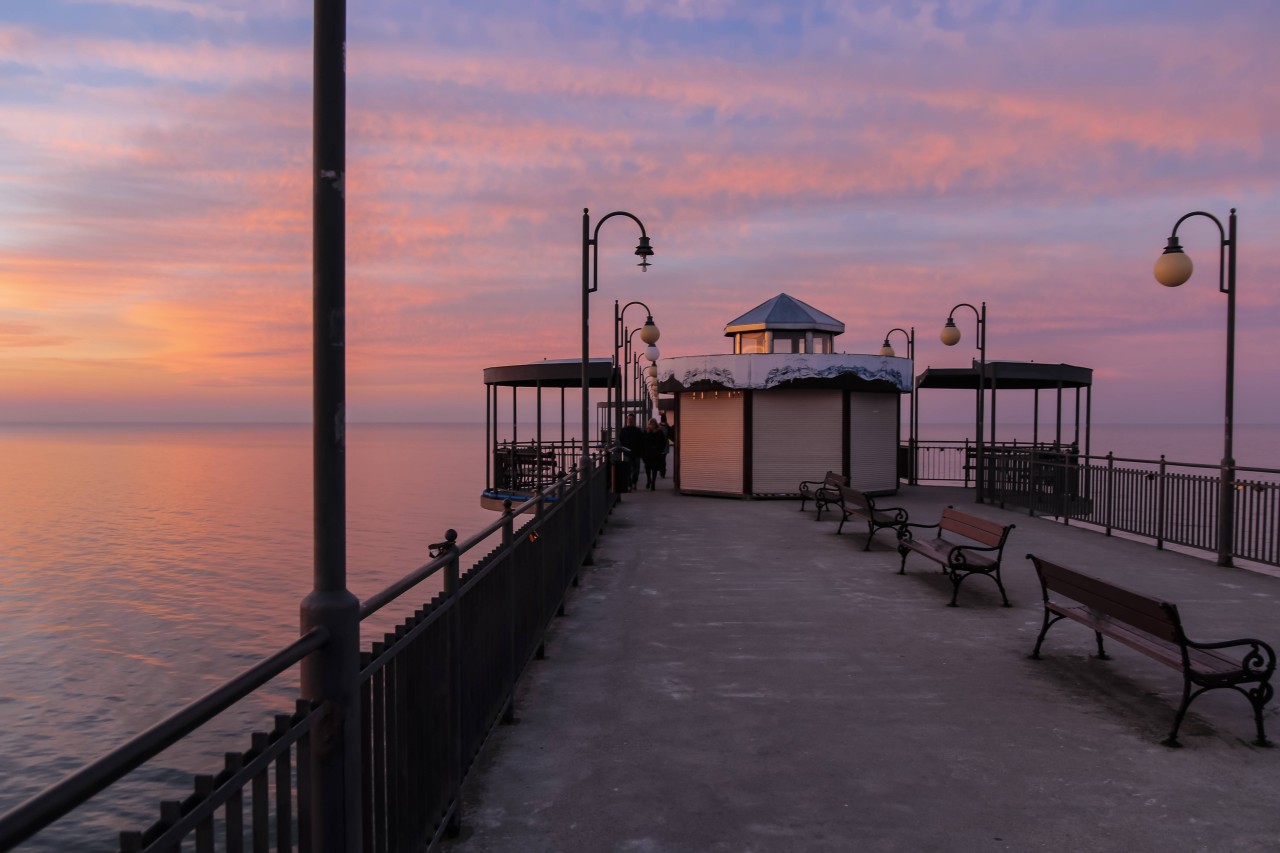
(655, 452)
(632, 438)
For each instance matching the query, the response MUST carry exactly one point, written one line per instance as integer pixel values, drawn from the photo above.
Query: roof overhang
(1023, 375)
(552, 373)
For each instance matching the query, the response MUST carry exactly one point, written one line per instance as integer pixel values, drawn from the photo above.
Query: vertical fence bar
(284, 792)
(234, 811)
(204, 830)
(261, 808)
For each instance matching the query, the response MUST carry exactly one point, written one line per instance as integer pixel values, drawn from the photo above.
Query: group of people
(648, 446)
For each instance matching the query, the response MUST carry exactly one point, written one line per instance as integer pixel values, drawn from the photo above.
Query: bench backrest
(834, 479)
(989, 533)
(1158, 618)
(853, 498)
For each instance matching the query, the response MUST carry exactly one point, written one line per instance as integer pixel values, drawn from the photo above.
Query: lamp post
(951, 336)
(1172, 269)
(621, 338)
(590, 281)
(887, 351)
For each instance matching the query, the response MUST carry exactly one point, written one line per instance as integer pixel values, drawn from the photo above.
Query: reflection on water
(142, 566)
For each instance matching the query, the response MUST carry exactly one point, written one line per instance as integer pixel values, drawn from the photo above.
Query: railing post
(1161, 509)
(965, 463)
(1108, 492)
(512, 577)
(451, 584)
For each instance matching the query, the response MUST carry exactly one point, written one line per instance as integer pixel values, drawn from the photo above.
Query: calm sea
(140, 566)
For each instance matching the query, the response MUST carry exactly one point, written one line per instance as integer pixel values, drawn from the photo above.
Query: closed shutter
(711, 442)
(796, 436)
(873, 442)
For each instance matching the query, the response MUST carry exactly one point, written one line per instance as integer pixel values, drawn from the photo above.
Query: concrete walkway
(733, 676)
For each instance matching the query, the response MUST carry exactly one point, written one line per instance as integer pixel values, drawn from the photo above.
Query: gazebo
(1019, 472)
(784, 407)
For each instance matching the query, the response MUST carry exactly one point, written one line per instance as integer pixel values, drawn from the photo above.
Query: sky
(881, 161)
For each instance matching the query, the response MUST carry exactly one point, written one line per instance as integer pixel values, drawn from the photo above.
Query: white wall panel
(796, 436)
(873, 442)
(711, 442)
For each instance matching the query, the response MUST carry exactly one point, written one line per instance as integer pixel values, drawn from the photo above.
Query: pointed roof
(784, 312)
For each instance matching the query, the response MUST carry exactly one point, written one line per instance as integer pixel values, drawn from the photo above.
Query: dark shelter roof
(552, 373)
(1025, 375)
(784, 312)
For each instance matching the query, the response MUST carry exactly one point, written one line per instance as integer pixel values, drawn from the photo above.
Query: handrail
(377, 601)
(1043, 446)
(28, 818)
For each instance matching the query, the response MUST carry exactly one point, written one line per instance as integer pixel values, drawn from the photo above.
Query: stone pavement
(733, 676)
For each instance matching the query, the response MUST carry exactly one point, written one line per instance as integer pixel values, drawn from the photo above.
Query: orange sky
(882, 162)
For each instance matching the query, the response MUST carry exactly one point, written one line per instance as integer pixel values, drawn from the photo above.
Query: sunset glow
(881, 161)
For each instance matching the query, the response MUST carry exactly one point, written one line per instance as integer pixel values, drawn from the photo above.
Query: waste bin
(621, 473)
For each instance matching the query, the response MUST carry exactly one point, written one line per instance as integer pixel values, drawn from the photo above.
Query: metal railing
(526, 466)
(431, 691)
(1170, 503)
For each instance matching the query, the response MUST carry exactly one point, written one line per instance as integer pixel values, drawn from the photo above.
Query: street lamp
(622, 339)
(951, 336)
(1172, 269)
(590, 281)
(887, 351)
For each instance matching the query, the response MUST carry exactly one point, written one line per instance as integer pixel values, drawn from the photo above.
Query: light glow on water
(142, 566)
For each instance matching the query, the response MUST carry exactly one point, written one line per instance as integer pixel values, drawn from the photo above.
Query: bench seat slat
(1206, 661)
(939, 549)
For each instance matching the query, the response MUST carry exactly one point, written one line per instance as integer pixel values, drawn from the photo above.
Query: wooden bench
(979, 556)
(822, 492)
(855, 504)
(1154, 628)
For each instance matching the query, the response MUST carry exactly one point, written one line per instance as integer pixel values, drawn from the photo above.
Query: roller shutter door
(873, 442)
(711, 442)
(796, 437)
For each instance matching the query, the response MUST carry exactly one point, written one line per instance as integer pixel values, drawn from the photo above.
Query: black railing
(431, 691)
(528, 466)
(1170, 503)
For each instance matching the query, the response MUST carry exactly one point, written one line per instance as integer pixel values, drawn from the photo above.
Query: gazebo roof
(1008, 374)
(552, 373)
(784, 312)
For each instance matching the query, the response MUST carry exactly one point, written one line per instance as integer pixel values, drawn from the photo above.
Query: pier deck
(733, 676)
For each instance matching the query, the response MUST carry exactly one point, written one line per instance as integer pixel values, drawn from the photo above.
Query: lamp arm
(618, 316)
(982, 322)
(911, 340)
(1223, 285)
(595, 239)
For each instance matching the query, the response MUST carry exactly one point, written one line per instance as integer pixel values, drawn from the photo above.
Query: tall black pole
(1226, 498)
(982, 397)
(330, 676)
(586, 341)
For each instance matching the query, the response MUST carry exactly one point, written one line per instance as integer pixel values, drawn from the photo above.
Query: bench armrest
(904, 531)
(956, 555)
(899, 514)
(1260, 658)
